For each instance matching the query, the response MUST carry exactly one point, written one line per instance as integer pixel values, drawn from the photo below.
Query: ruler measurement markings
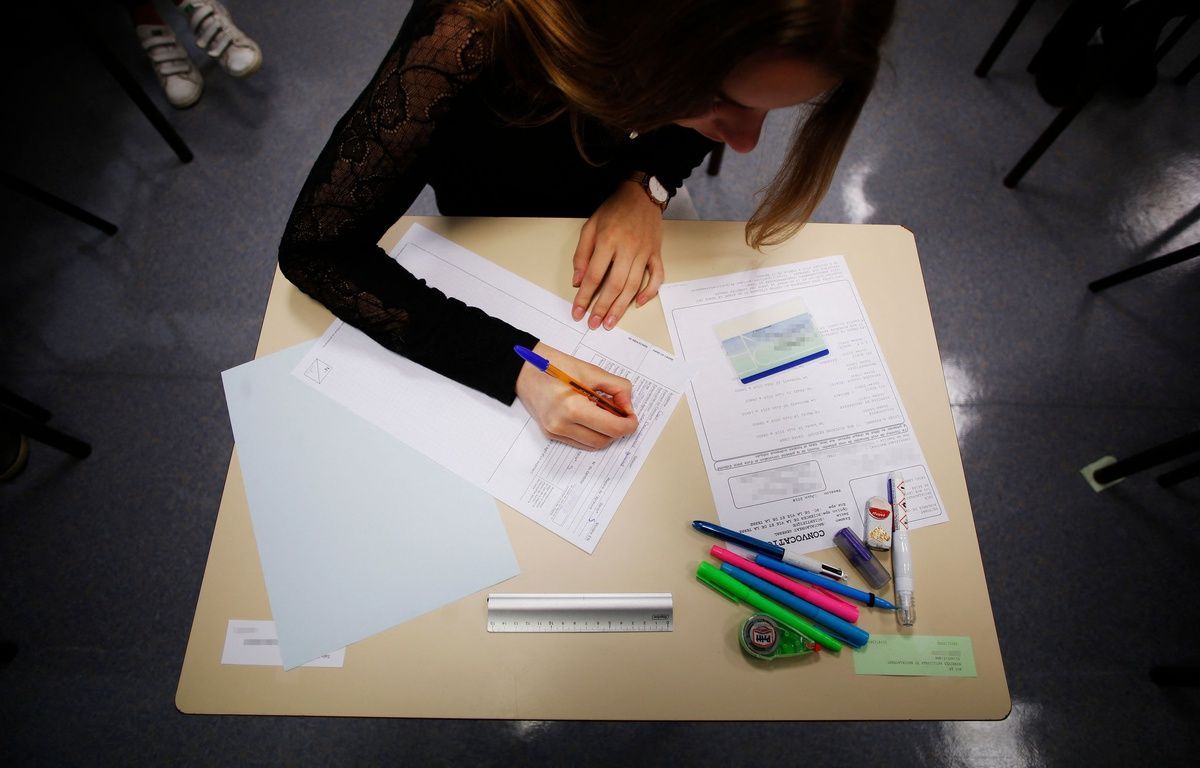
(582, 612)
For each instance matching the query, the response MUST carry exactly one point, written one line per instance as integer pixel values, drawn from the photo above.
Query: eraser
(878, 533)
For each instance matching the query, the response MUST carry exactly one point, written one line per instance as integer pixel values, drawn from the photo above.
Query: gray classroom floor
(124, 339)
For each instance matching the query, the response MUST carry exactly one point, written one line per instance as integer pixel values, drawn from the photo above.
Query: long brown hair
(641, 64)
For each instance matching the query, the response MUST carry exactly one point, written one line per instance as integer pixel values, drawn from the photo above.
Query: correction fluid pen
(902, 570)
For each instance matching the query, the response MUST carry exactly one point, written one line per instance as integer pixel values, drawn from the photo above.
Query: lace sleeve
(370, 171)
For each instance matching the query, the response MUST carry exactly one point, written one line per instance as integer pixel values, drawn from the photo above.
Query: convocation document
(794, 455)
(500, 448)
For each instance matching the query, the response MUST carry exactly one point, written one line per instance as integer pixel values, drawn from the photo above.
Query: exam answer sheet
(500, 448)
(794, 456)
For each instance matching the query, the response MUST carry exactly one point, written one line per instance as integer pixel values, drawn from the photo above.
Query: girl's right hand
(564, 414)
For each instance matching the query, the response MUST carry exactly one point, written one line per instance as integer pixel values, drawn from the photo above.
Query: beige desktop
(446, 664)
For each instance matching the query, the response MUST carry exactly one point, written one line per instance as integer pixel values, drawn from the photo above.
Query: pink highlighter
(839, 608)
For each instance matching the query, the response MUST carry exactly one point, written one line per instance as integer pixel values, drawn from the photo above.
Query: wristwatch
(654, 188)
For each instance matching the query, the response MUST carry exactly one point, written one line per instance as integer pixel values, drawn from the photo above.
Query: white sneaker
(216, 34)
(177, 75)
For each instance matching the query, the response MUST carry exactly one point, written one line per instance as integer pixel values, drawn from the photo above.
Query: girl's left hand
(619, 257)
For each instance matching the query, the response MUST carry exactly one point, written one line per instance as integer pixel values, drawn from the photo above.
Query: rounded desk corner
(181, 705)
(1007, 713)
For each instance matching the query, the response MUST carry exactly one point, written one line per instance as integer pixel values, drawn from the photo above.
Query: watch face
(657, 190)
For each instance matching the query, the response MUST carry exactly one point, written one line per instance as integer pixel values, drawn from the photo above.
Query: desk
(445, 664)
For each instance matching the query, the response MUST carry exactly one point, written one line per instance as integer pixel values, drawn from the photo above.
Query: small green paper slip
(916, 655)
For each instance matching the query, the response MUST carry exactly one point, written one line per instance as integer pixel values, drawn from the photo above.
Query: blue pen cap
(863, 559)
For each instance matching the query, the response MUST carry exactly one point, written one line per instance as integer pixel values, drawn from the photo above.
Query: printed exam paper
(500, 448)
(794, 456)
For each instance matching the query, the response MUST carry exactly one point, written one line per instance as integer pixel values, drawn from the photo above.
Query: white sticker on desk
(255, 643)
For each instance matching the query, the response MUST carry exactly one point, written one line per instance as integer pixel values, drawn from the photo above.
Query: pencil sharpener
(764, 638)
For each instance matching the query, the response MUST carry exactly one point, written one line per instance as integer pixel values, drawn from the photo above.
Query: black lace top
(435, 113)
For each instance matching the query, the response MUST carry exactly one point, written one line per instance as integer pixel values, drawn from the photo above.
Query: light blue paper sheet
(356, 531)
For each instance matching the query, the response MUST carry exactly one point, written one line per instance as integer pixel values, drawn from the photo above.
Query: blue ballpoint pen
(867, 598)
(769, 549)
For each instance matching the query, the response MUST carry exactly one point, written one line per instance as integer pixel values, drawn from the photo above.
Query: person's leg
(218, 36)
(179, 78)
(1131, 40)
(1064, 67)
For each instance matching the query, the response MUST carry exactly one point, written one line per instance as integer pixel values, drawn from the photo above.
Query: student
(574, 108)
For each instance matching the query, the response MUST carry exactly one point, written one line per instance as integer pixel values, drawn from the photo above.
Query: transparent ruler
(580, 612)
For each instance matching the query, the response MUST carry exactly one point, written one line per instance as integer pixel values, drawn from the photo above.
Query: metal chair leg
(1145, 268)
(1178, 475)
(15, 401)
(135, 92)
(1052, 132)
(57, 203)
(8, 652)
(1152, 457)
(30, 420)
(1185, 77)
(1175, 36)
(1006, 32)
(1176, 676)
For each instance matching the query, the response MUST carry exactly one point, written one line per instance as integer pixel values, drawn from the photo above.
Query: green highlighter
(740, 593)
